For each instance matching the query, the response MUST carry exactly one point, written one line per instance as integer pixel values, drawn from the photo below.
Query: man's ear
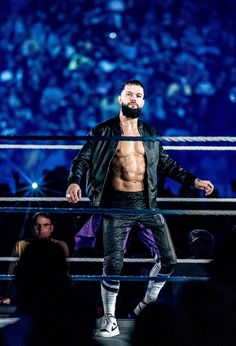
(119, 99)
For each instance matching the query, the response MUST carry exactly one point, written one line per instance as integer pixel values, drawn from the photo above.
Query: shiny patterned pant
(115, 227)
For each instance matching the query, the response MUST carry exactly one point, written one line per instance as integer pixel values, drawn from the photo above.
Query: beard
(131, 113)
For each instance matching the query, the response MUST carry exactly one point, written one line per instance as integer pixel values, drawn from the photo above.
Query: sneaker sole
(105, 334)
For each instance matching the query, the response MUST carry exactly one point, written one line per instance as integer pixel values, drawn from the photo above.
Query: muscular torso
(128, 166)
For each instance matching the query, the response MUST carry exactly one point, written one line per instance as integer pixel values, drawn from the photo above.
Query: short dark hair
(46, 215)
(131, 81)
(200, 234)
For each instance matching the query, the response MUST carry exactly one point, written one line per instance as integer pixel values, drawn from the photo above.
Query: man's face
(131, 100)
(43, 227)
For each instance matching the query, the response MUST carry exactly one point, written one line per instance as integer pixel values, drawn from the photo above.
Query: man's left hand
(205, 185)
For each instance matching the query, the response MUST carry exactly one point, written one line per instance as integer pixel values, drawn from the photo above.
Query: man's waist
(141, 192)
(127, 199)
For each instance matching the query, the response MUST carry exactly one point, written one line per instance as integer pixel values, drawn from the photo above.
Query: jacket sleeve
(81, 162)
(173, 170)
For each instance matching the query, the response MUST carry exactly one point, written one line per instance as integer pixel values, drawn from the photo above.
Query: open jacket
(95, 157)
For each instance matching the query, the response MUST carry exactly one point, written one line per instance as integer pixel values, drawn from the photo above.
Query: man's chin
(131, 113)
(132, 116)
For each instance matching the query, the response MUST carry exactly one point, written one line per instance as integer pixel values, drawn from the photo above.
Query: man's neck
(128, 122)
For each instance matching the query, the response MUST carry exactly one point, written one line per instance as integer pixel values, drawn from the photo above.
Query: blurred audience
(158, 324)
(222, 267)
(203, 312)
(201, 245)
(58, 60)
(50, 312)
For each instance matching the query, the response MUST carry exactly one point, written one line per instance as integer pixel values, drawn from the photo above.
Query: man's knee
(168, 268)
(113, 266)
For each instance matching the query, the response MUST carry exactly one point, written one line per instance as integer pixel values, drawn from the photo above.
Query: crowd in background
(62, 63)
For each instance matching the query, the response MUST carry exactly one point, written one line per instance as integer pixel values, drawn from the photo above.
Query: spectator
(201, 247)
(223, 265)
(203, 312)
(201, 244)
(157, 324)
(208, 313)
(43, 228)
(50, 312)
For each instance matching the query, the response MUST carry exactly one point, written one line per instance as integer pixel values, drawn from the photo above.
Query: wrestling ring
(219, 146)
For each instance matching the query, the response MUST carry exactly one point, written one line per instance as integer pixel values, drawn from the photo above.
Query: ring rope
(11, 277)
(207, 148)
(126, 260)
(78, 147)
(198, 139)
(84, 199)
(117, 211)
(162, 138)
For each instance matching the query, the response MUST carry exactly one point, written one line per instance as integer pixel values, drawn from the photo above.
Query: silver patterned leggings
(115, 231)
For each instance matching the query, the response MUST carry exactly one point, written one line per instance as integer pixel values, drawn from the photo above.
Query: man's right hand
(73, 193)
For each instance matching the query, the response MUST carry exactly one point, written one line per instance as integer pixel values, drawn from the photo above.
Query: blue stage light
(34, 185)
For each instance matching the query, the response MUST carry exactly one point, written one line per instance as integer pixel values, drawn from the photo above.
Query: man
(43, 228)
(201, 246)
(123, 174)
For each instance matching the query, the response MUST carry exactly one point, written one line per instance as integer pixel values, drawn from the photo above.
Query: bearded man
(124, 174)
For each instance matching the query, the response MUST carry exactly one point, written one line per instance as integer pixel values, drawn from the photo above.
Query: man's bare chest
(129, 148)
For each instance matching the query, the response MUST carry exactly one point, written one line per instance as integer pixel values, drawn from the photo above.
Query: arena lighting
(34, 185)
(112, 35)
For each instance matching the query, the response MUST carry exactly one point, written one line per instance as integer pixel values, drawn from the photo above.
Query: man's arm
(79, 167)
(173, 170)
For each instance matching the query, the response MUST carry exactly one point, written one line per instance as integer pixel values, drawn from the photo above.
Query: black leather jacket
(96, 155)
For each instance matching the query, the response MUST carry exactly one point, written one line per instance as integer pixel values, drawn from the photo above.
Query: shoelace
(106, 319)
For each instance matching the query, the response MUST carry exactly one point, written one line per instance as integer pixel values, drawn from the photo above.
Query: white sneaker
(141, 305)
(108, 327)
